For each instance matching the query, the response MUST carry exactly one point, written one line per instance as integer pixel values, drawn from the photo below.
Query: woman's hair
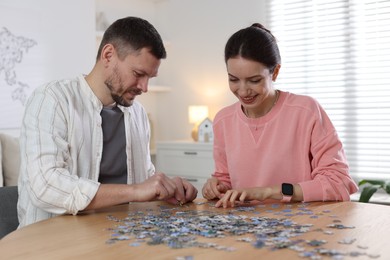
(254, 43)
(132, 34)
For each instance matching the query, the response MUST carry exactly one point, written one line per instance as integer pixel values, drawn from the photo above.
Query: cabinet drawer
(187, 162)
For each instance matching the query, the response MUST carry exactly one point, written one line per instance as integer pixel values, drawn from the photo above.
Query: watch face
(287, 189)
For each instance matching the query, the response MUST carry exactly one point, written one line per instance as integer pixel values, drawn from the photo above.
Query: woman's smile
(248, 100)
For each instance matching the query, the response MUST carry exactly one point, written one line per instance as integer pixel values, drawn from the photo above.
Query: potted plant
(372, 186)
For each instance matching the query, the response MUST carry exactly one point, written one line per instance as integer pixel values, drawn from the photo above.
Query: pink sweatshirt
(295, 143)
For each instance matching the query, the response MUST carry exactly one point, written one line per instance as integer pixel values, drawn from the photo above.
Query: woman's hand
(213, 189)
(231, 197)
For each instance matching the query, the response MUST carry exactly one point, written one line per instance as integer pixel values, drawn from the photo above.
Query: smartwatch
(287, 192)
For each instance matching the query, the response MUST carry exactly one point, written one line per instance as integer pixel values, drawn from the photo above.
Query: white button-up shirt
(61, 144)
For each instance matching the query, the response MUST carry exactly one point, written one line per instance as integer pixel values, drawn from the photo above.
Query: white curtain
(338, 51)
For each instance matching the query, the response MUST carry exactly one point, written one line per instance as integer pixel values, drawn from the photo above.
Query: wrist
(275, 192)
(263, 193)
(133, 193)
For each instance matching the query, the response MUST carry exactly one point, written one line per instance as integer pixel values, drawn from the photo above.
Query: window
(339, 53)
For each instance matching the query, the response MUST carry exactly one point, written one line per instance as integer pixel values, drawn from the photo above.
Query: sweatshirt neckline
(267, 117)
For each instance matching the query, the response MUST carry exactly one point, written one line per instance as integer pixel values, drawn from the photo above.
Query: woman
(272, 144)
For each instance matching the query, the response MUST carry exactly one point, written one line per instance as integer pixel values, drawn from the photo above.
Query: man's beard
(120, 101)
(117, 98)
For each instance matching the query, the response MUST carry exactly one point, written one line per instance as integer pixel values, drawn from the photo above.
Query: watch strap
(286, 198)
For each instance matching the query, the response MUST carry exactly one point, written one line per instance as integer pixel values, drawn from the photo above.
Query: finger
(233, 198)
(173, 201)
(165, 186)
(171, 185)
(207, 191)
(190, 191)
(221, 201)
(243, 196)
(204, 190)
(194, 194)
(214, 189)
(218, 203)
(179, 192)
(225, 199)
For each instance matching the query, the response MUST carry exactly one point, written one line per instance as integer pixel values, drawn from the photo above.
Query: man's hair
(132, 34)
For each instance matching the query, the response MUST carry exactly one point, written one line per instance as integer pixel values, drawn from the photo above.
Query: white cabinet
(190, 160)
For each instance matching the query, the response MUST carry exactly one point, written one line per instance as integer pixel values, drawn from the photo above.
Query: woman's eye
(233, 80)
(254, 81)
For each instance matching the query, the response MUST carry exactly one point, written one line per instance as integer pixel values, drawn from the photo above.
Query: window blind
(338, 51)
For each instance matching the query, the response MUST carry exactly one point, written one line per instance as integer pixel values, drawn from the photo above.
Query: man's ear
(276, 72)
(107, 54)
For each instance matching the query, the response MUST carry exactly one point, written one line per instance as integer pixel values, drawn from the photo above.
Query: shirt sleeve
(46, 159)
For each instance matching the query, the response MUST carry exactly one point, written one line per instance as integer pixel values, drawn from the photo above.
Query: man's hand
(161, 187)
(185, 191)
(157, 187)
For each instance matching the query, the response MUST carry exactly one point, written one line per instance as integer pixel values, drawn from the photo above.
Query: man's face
(130, 77)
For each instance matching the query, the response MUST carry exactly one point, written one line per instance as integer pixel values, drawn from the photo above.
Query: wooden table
(87, 235)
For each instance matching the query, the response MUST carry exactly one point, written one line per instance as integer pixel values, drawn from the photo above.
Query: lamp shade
(197, 113)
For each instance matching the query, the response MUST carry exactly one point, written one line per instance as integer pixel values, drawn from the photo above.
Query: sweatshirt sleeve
(330, 178)
(221, 168)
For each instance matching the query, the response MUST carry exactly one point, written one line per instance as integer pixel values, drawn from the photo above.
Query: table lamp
(196, 114)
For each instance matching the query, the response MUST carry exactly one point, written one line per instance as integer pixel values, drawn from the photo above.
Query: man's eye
(137, 75)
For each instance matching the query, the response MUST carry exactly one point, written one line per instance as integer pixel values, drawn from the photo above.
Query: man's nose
(143, 84)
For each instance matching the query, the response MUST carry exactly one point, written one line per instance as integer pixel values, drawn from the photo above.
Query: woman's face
(251, 82)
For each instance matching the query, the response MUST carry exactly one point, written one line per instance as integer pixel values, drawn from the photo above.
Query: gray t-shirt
(113, 167)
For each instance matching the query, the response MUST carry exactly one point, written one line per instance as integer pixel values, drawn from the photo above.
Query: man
(85, 141)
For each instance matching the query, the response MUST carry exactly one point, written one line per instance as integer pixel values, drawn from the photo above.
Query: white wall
(64, 33)
(195, 30)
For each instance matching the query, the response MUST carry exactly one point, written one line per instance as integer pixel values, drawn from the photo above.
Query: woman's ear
(276, 72)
